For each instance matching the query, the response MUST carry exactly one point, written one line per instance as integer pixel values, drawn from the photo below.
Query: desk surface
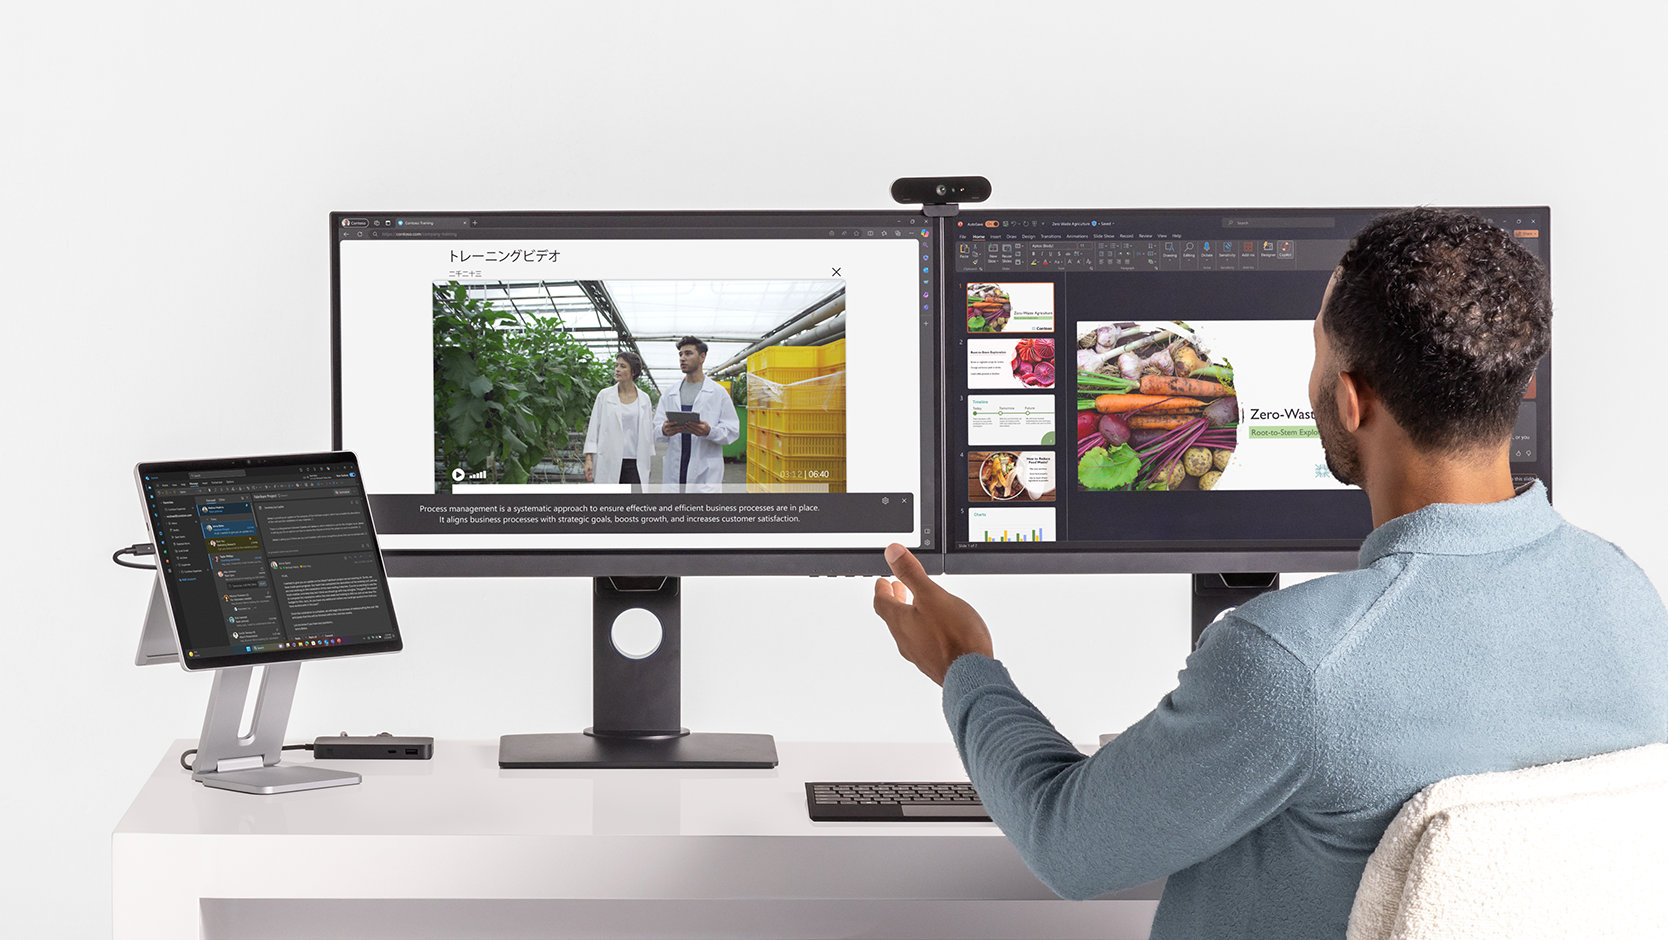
(462, 791)
(459, 830)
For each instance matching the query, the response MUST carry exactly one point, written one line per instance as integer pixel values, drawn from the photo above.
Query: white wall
(203, 144)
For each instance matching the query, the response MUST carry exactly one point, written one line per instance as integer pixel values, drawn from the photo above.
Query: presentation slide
(1010, 307)
(1010, 363)
(1010, 476)
(1010, 420)
(1006, 524)
(1204, 405)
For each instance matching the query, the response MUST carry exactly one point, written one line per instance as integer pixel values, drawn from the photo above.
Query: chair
(1573, 849)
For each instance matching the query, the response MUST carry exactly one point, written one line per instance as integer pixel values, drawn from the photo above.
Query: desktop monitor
(474, 350)
(1064, 306)
(637, 397)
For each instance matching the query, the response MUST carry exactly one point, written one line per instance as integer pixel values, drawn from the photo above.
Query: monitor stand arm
(1217, 592)
(636, 700)
(229, 761)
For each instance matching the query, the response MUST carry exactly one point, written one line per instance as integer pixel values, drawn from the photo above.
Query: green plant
(738, 390)
(508, 387)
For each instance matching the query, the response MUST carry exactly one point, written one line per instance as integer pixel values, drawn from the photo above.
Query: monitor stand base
(636, 696)
(691, 751)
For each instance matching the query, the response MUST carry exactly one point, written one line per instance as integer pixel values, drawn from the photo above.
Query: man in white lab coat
(694, 460)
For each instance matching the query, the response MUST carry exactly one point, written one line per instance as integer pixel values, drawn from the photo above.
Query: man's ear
(1355, 401)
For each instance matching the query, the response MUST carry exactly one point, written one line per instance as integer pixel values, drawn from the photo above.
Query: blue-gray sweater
(1472, 638)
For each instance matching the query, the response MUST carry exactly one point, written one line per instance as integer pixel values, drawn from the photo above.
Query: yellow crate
(806, 469)
(804, 445)
(757, 457)
(767, 482)
(783, 375)
(778, 357)
(755, 433)
(797, 422)
(824, 394)
(833, 354)
(773, 486)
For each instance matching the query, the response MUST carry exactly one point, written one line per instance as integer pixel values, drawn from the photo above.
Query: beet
(1141, 437)
(1044, 372)
(1223, 412)
(1114, 430)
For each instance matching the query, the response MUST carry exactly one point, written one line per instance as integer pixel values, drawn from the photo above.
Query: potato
(1219, 458)
(1171, 474)
(1197, 461)
(1208, 481)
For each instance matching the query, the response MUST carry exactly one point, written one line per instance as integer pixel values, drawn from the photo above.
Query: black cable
(287, 747)
(137, 549)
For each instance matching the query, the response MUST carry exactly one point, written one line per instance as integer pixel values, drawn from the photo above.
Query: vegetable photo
(1156, 408)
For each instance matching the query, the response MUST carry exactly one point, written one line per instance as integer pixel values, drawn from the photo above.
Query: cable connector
(137, 549)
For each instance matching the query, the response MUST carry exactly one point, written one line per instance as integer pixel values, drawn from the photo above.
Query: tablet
(683, 418)
(267, 559)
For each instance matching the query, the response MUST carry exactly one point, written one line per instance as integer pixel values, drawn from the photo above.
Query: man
(1481, 632)
(694, 461)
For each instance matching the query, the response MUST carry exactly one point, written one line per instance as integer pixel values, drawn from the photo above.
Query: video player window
(569, 386)
(641, 382)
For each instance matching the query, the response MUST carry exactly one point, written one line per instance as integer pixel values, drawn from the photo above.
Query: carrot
(1176, 385)
(1164, 422)
(1114, 404)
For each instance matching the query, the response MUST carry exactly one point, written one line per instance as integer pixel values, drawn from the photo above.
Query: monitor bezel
(171, 590)
(1328, 556)
(665, 563)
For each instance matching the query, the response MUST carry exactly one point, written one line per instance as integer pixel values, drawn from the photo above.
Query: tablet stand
(225, 759)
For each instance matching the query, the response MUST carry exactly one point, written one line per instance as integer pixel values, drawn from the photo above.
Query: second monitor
(1061, 323)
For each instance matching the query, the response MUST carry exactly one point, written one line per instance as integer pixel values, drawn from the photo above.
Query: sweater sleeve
(1222, 754)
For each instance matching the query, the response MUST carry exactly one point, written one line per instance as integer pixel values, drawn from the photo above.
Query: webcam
(941, 190)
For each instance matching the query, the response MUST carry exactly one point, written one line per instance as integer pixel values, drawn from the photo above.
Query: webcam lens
(942, 189)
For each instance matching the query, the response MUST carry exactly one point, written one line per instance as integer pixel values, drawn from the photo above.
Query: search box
(1253, 221)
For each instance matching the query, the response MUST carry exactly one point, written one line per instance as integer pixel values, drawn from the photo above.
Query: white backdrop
(167, 170)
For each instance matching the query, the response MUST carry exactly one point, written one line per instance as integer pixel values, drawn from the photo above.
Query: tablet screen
(268, 559)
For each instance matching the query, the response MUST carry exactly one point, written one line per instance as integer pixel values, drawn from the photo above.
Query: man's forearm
(1033, 784)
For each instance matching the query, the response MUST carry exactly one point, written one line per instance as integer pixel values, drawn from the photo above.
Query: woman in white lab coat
(619, 441)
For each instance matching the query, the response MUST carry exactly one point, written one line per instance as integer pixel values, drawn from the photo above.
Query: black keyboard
(894, 802)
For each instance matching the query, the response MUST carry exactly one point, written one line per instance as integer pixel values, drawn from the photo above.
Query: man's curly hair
(1445, 317)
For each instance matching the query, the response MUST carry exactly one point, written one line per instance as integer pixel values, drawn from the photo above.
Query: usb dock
(374, 747)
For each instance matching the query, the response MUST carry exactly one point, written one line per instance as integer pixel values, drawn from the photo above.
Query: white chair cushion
(1578, 848)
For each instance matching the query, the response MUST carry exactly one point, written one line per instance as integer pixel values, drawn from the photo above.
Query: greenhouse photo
(728, 386)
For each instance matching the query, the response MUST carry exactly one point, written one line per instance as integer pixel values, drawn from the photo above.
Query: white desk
(456, 847)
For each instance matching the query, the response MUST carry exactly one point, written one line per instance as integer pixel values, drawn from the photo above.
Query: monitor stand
(636, 698)
(1216, 592)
